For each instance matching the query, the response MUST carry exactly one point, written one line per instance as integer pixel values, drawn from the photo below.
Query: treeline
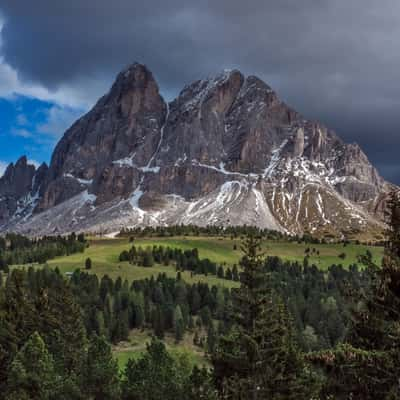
(210, 230)
(183, 260)
(19, 249)
(236, 232)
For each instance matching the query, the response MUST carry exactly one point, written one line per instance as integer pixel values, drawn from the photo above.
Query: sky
(333, 61)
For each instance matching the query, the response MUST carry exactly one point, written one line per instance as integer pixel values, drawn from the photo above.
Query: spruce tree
(154, 376)
(179, 326)
(367, 365)
(258, 358)
(88, 263)
(101, 373)
(200, 385)
(17, 319)
(32, 375)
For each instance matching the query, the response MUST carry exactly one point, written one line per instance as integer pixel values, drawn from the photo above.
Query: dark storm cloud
(336, 61)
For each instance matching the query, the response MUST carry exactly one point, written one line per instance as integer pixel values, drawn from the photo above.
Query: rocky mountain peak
(226, 151)
(17, 178)
(135, 89)
(125, 124)
(19, 189)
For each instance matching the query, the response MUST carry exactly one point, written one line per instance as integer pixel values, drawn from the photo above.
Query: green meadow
(104, 254)
(136, 346)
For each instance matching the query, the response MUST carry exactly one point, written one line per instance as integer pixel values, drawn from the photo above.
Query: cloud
(35, 163)
(334, 61)
(21, 133)
(58, 120)
(22, 120)
(11, 85)
(3, 166)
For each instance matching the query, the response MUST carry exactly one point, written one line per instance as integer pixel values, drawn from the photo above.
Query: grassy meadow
(136, 345)
(104, 254)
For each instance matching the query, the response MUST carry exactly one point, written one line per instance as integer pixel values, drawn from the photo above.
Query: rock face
(124, 124)
(19, 190)
(225, 151)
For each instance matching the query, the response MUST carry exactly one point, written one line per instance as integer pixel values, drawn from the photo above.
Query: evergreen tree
(235, 273)
(101, 373)
(200, 385)
(179, 325)
(259, 359)
(88, 263)
(32, 375)
(228, 274)
(211, 338)
(158, 322)
(148, 259)
(155, 376)
(60, 323)
(366, 366)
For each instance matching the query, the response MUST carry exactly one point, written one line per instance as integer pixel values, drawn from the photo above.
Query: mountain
(226, 151)
(19, 191)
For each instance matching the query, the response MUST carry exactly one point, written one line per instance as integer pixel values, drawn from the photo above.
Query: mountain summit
(226, 151)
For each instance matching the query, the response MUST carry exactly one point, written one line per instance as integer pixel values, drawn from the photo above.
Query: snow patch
(275, 158)
(81, 181)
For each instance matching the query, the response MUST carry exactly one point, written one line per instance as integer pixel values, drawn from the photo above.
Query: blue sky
(31, 127)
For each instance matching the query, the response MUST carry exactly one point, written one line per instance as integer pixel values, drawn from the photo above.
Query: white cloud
(58, 120)
(21, 132)
(22, 120)
(3, 166)
(35, 163)
(11, 85)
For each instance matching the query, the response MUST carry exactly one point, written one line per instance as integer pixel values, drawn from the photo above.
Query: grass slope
(136, 346)
(105, 252)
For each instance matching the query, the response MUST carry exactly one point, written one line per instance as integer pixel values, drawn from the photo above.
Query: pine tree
(60, 323)
(88, 263)
(200, 385)
(32, 375)
(211, 338)
(179, 326)
(366, 366)
(258, 358)
(16, 319)
(157, 375)
(101, 373)
(235, 273)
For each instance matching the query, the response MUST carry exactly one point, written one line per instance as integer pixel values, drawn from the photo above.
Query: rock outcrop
(19, 190)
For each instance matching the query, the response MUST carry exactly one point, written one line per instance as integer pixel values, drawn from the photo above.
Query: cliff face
(225, 151)
(19, 190)
(124, 123)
